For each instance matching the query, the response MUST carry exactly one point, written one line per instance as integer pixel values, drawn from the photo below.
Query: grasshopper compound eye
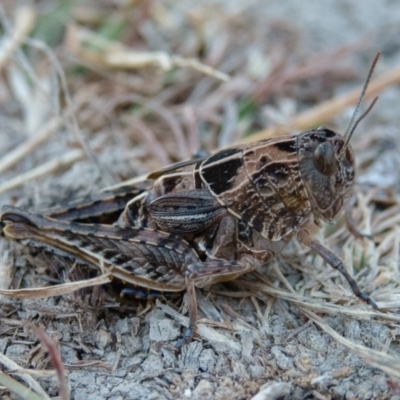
(324, 159)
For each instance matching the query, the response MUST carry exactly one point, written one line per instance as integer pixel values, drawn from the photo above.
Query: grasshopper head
(327, 162)
(327, 170)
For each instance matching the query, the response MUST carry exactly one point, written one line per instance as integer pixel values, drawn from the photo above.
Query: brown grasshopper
(206, 220)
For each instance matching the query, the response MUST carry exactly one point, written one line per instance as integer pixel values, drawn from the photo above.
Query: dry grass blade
(11, 365)
(48, 167)
(202, 330)
(36, 372)
(55, 356)
(56, 290)
(328, 109)
(15, 155)
(44, 169)
(197, 65)
(93, 48)
(128, 182)
(152, 145)
(69, 117)
(378, 359)
(165, 116)
(17, 388)
(24, 22)
(262, 289)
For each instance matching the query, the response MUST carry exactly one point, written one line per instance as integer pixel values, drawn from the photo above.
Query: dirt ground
(96, 93)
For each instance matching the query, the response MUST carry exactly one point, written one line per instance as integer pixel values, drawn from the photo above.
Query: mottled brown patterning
(204, 220)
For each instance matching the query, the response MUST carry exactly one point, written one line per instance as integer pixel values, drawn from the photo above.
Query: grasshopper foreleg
(335, 262)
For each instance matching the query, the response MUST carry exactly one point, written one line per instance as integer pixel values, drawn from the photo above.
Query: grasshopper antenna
(354, 122)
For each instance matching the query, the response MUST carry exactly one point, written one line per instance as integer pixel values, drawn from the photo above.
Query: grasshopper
(205, 220)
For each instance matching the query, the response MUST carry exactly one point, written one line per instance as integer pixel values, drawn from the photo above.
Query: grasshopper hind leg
(204, 274)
